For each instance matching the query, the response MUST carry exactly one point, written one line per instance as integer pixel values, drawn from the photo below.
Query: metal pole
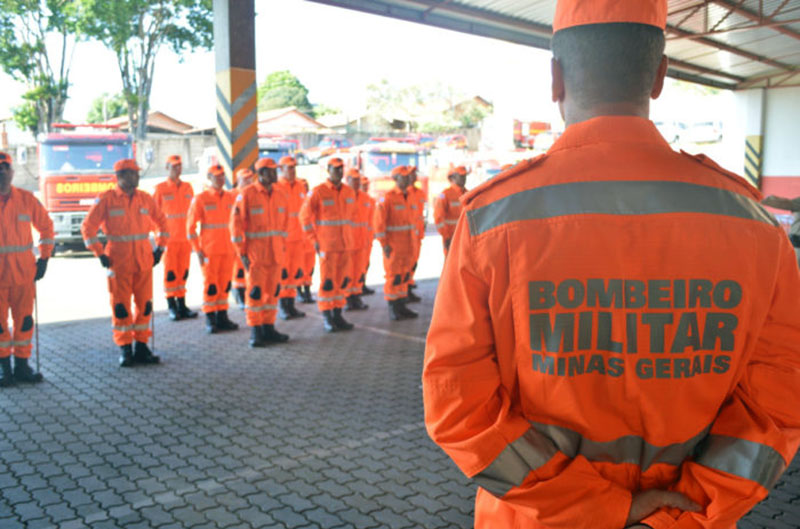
(36, 323)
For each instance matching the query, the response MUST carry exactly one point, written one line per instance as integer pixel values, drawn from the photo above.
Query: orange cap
(288, 160)
(244, 174)
(216, 170)
(335, 162)
(460, 170)
(265, 162)
(353, 172)
(570, 13)
(128, 163)
(174, 160)
(400, 169)
(5, 158)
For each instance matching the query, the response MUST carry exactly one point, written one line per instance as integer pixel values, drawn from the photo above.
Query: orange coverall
(18, 210)
(327, 218)
(309, 255)
(369, 203)
(174, 200)
(446, 210)
(259, 225)
(127, 222)
(615, 316)
(362, 240)
(418, 199)
(395, 224)
(213, 209)
(296, 243)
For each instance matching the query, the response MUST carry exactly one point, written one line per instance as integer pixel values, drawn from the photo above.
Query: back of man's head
(609, 63)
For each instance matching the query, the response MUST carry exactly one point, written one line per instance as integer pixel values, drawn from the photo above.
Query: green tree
(37, 39)
(282, 89)
(136, 30)
(106, 107)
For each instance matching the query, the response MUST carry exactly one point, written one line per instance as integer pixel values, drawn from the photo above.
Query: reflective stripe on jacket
(615, 316)
(259, 224)
(21, 210)
(212, 209)
(327, 217)
(418, 200)
(174, 200)
(446, 210)
(295, 194)
(395, 222)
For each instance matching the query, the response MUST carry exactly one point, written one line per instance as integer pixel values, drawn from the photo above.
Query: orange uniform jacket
(418, 200)
(17, 262)
(259, 224)
(395, 222)
(362, 222)
(212, 209)
(127, 222)
(327, 217)
(447, 209)
(369, 204)
(615, 316)
(296, 195)
(174, 200)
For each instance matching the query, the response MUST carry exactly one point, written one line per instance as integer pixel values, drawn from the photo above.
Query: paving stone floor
(324, 432)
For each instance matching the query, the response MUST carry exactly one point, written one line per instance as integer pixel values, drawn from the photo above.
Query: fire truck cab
(76, 164)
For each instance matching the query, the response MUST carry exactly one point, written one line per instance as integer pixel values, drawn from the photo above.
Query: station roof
(733, 44)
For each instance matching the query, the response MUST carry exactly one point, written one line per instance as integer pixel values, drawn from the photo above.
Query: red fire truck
(525, 133)
(76, 163)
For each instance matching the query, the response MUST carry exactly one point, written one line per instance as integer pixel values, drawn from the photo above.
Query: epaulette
(711, 164)
(521, 167)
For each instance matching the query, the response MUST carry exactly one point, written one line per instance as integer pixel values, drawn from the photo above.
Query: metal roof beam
(698, 79)
(730, 49)
(683, 65)
(746, 13)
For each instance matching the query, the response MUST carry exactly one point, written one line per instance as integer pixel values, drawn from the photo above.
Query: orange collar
(609, 130)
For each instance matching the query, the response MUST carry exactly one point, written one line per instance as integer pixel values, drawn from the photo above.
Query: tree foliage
(136, 30)
(107, 107)
(282, 89)
(37, 40)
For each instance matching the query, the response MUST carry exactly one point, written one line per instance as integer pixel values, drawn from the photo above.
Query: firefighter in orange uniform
(259, 225)
(19, 209)
(244, 177)
(396, 224)
(327, 216)
(173, 196)
(362, 237)
(447, 206)
(309, 259)
(418, 200)
(615, 340)
(127, 215)
(369, 205)
(212, 209)
(296, 244)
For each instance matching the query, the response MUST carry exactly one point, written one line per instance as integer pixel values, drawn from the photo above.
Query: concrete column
(752, 103)
(237, 116)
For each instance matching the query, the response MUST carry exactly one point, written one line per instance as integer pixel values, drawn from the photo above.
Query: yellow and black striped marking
(237, 118)
(752, 159)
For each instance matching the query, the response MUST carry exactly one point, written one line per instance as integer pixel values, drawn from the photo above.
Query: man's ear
(658, 83)
(558, 80)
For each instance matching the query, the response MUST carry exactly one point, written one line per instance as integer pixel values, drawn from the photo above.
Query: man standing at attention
(418, 200)
(447, 206)
(616, 335)
(127, 215)
(296, 243)
(244, 177)
(173, 196)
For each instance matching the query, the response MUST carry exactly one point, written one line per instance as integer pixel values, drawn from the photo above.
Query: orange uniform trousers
(176, 268)
(334, 269)
(309, 260)
(239, 278)
(295, 269)
(359, 262)
(397, 269)
(19, 300)
(217, 281)
(122, 284)
(263, 289)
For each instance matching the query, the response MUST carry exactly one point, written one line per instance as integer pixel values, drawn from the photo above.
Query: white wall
(782, 133)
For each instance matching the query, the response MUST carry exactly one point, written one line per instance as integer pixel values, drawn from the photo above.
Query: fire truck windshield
(382, 163)
(73, 157)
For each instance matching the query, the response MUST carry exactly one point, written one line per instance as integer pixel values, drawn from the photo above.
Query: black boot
(307, 297)
(327, 321)
(211, 323)
(184, 311)
(354, 303)
(366, 291)
(283, 309)
(404, 310)
(174, 313)
(270, 335)
(24, 373)
(394, 312)
(238, 295)
(340, 322)
(293, 310)
(412, 298)
(6, 376)
(126, 355)
(143, 355)
(224, 323)
(256, 337)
